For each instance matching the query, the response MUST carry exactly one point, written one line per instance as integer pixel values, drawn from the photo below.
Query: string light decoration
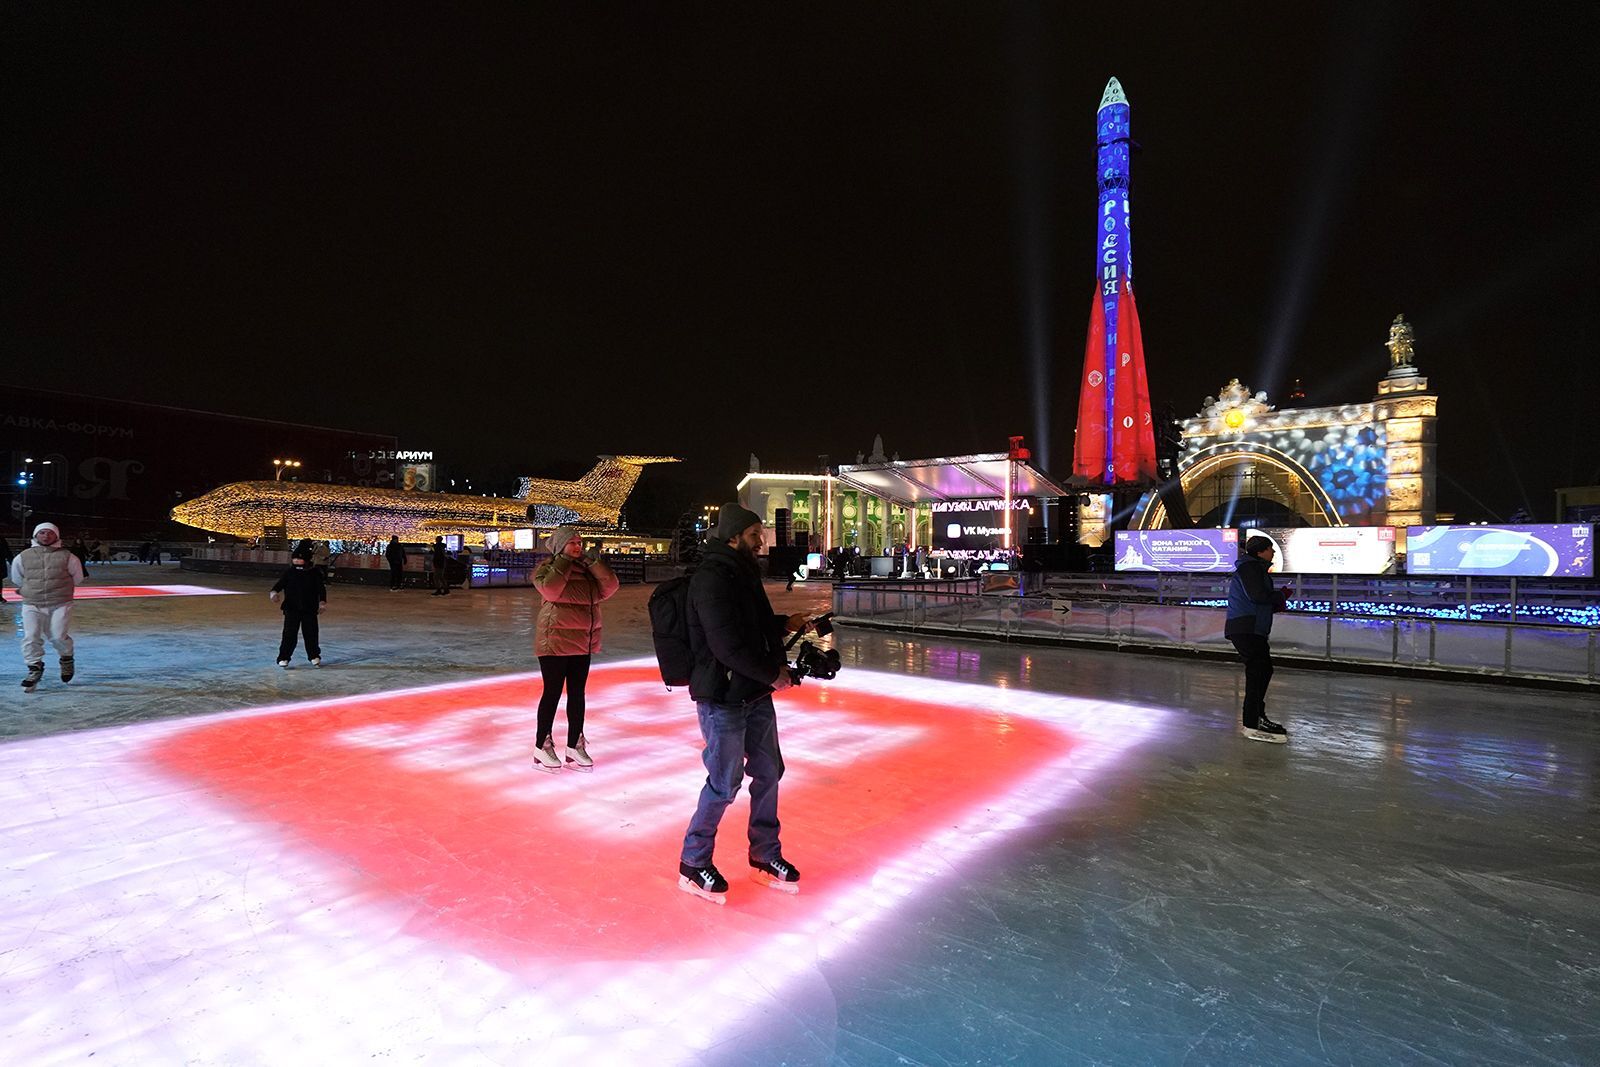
(352, 512)
(599, 495)
(344, 512)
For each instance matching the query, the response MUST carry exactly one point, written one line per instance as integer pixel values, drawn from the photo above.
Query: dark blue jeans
(739, 739)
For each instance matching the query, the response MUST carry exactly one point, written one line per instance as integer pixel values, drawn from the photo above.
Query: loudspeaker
(780, 525)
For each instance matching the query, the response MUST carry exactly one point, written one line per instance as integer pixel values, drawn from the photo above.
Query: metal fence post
(1511, 624)
(1333, 607)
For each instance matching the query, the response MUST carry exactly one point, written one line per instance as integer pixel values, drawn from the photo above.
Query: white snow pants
(37, 623)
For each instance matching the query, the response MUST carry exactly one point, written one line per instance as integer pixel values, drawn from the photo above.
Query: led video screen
(976, 529)
(1177, 551)
(969, 530)
(1331, 550)
(1564, 550)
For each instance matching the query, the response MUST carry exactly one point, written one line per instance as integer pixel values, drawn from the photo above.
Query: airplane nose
(204, 510)
(189, 511)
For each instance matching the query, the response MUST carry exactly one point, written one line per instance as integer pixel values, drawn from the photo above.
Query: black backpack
(669, 630)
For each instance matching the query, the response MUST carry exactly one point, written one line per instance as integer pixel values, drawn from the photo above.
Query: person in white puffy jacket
(46, 575)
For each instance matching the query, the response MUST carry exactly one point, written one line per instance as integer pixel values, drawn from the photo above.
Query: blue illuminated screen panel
(1563, 550)
(1177, 551)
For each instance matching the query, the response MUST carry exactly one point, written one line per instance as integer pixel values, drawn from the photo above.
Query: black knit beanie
(732, 521)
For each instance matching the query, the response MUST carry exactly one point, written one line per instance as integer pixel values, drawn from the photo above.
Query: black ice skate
(1268, 731)
(35, 672)
(68, 668)
(779, 874)
(704, 882)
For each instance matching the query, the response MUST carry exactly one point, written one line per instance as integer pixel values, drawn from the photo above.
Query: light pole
(281, 465)
(25, 479)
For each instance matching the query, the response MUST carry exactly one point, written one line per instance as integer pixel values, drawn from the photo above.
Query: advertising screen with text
(1563, 550)
(969, 529)
(1331, 550)
(1177, 551)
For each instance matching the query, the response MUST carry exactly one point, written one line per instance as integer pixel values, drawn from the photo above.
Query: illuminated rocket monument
(1115, 442)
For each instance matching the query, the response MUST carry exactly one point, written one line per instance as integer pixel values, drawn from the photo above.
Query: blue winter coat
(1251, 598)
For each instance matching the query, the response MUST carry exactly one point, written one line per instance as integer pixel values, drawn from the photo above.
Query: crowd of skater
(93, 552)
(729, 646)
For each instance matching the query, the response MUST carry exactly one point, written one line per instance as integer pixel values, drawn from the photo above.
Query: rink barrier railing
(1535, 652)
(516, 570)
(1457, 599)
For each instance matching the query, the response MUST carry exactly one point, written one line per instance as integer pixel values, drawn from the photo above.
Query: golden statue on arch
(1401, 353)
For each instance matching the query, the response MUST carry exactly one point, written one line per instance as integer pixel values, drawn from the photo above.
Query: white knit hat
(558, 539)
(52, 527)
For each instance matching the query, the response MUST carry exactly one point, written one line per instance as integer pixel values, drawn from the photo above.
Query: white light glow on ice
(149, 920)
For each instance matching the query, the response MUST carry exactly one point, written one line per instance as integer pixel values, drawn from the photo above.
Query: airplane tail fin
(607, 483)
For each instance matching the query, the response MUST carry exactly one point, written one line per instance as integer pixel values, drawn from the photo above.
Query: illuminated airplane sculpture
(350, 512)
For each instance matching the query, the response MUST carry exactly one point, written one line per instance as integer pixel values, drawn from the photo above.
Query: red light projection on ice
(118, 592)
(355, 857)
(865, 779)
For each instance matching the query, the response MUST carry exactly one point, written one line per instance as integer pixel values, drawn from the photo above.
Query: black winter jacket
(736, 637)
(303, 589)
(395, 553)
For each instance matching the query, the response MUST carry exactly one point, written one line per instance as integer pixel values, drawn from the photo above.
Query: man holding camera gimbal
(739, 662)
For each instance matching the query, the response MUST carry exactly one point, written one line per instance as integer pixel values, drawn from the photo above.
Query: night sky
(520, 239)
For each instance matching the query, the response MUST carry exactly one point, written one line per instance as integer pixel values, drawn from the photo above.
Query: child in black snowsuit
(304, 594)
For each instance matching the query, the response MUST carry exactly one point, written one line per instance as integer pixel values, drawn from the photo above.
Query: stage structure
(1367, 464)
(343, 512)
(977, 506)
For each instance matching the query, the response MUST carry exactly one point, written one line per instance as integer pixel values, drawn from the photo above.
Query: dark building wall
(117, 467)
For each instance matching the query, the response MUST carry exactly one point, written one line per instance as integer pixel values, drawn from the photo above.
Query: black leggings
(573, 671)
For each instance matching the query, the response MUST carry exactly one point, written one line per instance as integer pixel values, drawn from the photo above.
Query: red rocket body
(1115, 443)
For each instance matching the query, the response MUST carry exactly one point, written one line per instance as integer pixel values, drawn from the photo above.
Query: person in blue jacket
(1252, 601)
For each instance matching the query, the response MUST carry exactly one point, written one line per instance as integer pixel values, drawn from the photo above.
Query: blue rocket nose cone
(1113, 95)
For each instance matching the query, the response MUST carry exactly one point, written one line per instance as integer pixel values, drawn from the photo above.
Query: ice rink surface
(1011, 855)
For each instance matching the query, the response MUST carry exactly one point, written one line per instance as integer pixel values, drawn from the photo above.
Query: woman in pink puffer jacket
(572, 586)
